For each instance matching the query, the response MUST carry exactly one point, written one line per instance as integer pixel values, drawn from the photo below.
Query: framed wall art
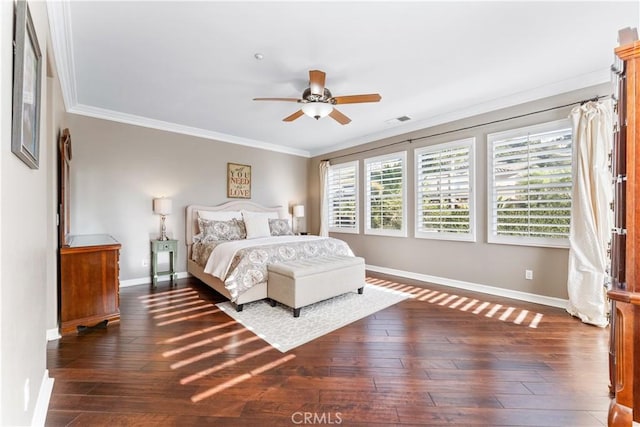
(27, 72)
(238, 181)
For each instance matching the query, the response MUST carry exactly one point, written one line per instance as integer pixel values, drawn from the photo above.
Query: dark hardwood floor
(444, 357)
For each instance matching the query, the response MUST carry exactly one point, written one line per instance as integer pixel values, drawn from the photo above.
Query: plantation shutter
(444, 201)
(531, 186)
(343, 197)
(385, 194)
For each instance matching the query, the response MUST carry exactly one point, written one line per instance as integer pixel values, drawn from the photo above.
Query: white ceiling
(189, 66)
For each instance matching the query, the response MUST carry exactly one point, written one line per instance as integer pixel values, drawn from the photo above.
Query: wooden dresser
(89, 281)
(624, 351)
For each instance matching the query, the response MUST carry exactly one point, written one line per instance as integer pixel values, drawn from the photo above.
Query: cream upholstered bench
(307, 281)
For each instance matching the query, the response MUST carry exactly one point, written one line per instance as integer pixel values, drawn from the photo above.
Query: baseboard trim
(44, 396)
(147, 280)
(476, 287)
(470, 286)
(53, 334)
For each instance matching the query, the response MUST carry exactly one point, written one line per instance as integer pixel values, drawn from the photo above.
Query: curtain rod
(411, 140)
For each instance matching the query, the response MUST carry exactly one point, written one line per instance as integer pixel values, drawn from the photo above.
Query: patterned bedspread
(248, 266)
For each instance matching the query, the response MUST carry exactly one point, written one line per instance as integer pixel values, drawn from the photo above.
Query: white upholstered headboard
(236, 205)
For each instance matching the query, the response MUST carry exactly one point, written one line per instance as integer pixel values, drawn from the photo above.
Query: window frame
(402, 232)
(492, 138)
(470, 236)
(356, 228)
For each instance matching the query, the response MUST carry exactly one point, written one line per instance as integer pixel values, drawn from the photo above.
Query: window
(385, 195)
(530, 185)
(343, 198)
(444, 191)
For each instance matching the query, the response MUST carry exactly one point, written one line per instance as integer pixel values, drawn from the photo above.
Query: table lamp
(298, 212)
(162, 207)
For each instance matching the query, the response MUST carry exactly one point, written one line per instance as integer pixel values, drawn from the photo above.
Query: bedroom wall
(496, 265)
(27, 260)
(117, 169)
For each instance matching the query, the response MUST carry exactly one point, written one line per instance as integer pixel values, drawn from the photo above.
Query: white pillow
(257, 226)
(267, 215)
(220, 215)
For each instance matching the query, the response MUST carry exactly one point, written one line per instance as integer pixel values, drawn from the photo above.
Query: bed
(237, 268)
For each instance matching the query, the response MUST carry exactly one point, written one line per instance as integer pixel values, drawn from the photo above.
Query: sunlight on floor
(171, 307)
(174, 306)
(203, 342)
(193, 316)
(227, 364)
(474, 306)
(160, 303)
(185, 304)
(240, 378)
(213, 352)
(199, 332)
(170, 304)
(167, 294)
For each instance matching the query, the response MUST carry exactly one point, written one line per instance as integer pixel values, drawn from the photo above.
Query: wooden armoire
(624, 352)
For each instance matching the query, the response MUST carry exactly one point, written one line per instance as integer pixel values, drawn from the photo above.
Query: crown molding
(579, 82)
(61, 35)
(131, 119)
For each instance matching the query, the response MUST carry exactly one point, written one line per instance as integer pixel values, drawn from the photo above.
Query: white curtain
(591, 217)
(324, 211)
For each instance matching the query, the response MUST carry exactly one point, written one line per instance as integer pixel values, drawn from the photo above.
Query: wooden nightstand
(170, 246)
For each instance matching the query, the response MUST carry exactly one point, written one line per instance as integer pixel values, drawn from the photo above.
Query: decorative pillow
(212, 230)
(257, 226)
(280, 227)
(242, 227)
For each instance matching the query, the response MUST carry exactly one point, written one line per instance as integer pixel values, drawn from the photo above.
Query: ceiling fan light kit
(317, 109)
(317, 101)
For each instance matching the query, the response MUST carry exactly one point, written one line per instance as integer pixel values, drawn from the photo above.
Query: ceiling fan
(317, 101)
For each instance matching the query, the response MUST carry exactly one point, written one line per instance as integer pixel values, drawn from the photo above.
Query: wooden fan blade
(339, 117)
(355, 99)
(316, 82)
(293, 116)
(277, 99)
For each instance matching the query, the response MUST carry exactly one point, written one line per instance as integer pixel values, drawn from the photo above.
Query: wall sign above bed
(238, 181)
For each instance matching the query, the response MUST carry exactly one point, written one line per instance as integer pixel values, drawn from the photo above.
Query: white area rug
(277, 326)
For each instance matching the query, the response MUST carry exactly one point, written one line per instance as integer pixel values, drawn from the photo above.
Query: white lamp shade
(162, 206)
(317, 109)
(298, 211)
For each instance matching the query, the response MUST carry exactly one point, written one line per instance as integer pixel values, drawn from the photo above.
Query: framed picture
(27, 72)
(238, 181)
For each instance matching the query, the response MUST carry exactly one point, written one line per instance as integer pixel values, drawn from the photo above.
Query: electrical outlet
(528, 274)
(145, 262)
